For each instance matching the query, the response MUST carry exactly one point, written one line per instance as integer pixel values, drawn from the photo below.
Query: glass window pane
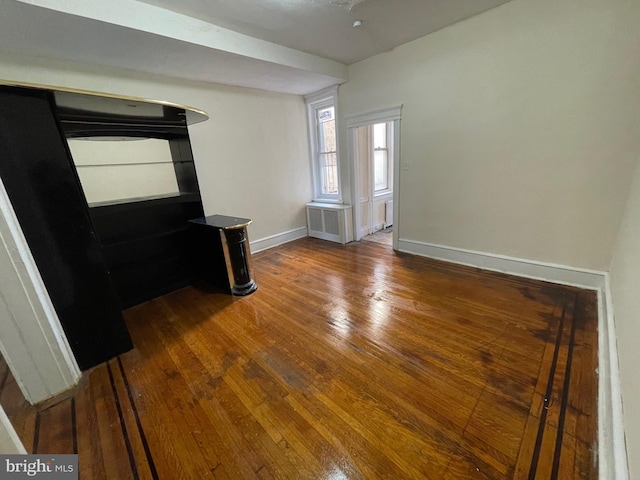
(325, 150)
(327, 136)
(380, 135)
(381, 170)
(325, 114)
(329, 173)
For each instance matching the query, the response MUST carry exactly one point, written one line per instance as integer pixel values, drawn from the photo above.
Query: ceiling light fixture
(357, 23)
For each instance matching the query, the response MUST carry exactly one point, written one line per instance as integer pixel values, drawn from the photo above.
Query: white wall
(112, 170)
(520, 128)
(251, 156)
(625, 278)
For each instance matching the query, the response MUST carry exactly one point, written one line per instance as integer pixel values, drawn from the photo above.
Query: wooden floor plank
(347, 362)
(108, 433)
(90, 458)
(142, 465)
(20, 412)
(56, 431)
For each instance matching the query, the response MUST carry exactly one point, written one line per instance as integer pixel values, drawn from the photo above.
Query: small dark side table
(224, 245)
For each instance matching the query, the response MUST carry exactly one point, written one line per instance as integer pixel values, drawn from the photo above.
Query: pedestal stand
(234, 244)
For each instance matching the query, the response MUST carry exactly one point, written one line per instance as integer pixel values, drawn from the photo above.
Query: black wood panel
(208, 247)
(145, 281)
(143, 218)
(149, 245)
(183, 164)
(89, 116)
(42, 184)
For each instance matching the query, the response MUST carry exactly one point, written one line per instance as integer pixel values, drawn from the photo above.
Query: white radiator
(330, 222)
(388, 213)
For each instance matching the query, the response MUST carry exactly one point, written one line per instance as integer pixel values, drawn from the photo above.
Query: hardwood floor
(20, 412)
(348, 362)
(384, 236)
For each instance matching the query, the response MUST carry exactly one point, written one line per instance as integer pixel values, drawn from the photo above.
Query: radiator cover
(330, 221)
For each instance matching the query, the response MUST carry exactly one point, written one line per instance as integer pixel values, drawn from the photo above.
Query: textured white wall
(520, 128)
(116, 170)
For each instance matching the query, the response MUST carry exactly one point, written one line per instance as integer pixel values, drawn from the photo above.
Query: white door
(374, 171)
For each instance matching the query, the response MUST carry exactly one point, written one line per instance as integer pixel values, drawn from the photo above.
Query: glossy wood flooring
(348, 362)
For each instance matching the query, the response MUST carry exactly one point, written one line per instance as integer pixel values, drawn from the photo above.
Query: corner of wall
(612, 448)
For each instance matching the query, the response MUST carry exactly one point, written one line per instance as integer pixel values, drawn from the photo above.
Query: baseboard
(612, 449)
(550, 272)
(278, 239)
(612, 453)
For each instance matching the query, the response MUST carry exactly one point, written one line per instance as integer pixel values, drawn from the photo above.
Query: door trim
(391, 114)
(32, 340)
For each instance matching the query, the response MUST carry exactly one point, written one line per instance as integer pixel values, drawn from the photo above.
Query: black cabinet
(146, 241)
(223, 247)
(97, 259)
(44, 190)
(148, 245)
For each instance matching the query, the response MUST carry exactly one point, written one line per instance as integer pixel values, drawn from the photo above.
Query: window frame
(389, 149)
(318, 101)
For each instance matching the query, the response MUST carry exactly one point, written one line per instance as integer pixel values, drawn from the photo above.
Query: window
(327, 151)
(324, 145)
(381, 164)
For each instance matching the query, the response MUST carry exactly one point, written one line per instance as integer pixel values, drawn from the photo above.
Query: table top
(222, 221)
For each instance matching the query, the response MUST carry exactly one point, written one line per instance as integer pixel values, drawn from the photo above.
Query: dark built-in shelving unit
(97, 259)
(148, 245)
(147, 242)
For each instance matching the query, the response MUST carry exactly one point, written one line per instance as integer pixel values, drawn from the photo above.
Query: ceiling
(290, 46)
(325, 27)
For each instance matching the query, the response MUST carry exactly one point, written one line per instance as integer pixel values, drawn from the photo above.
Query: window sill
(323, 204)
(327, 200)
(383, 193)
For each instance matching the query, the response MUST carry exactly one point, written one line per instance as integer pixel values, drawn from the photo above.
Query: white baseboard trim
(278, 239)
(550, 272)
(612, 452)
(612, 449)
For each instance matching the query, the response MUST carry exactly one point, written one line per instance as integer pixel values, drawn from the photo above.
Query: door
(374, 171)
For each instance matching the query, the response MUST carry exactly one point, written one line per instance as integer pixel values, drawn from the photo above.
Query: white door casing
(32, 340)
(392, 114)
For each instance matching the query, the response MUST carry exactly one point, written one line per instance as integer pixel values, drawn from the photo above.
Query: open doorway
(374, 158)
(374, 149)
